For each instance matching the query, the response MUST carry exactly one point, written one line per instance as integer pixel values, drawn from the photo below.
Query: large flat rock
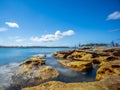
(110, 83)
(77, 65)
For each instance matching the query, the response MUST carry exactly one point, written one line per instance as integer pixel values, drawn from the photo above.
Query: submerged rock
(33, 72)
(108, 69)
(110, 83)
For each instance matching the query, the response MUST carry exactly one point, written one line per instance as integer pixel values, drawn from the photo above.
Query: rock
(77, 65)
(34, 61)
(63, 54)
(87, 57)
(103, 59)
(114, 51)
(96, 56)
(111, 68)
(110, 83)
(33, 72)
(82, 55)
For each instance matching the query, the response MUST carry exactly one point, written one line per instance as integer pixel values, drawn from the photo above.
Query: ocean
(10, 58)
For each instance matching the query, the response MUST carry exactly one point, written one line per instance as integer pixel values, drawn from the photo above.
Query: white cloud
(114, 16)
(68, 33)
(12, 24)
(2, 29)
(16, 39)
(53, 37)
(114, 30)
(19, 40)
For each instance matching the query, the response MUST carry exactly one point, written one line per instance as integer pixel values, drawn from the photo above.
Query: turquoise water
(10, 58)
(9, 55)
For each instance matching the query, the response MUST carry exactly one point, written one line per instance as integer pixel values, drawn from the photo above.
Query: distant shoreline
(35, 47)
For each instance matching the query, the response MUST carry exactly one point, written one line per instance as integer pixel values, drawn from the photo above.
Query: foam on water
(42, 55)
(6, 71)
(67, 72)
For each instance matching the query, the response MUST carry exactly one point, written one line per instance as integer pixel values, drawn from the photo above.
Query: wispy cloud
(114, 30)
(2, 29)
(53, 37)
(114, 16)
(12, 24)
(16, 39)
(19, 40)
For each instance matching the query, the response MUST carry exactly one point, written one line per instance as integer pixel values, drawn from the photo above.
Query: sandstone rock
(77, 65)
(33, 72)
(114, 51)
(34, 61)
(95, 56)
(63, 54)
(110, 83)
(108, 69)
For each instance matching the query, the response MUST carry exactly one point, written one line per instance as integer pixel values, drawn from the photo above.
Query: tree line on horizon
(111, 44)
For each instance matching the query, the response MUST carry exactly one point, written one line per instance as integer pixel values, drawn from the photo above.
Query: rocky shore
(110, 83)
(34, 73)
(108, 60)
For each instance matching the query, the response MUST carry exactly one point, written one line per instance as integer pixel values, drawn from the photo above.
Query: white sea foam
(48, 55)
(42, 55)
(67, 72)
(6, 71)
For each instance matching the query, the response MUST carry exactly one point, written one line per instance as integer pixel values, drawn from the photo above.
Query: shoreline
(107, 59)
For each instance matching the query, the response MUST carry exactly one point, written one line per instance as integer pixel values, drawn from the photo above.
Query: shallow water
(10, 58)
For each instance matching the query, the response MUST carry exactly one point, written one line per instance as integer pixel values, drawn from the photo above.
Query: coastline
(107, 74)
(79, 60)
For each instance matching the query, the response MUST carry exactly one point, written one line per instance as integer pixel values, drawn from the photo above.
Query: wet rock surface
(32, 72)
(110, 83)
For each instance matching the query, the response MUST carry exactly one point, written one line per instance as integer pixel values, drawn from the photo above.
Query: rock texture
(33, 72)
(111, 83)
(63, 54)
(111, 68)
(98, 56)
(77, 65)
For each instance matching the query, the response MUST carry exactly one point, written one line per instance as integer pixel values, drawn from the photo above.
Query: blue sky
(59, 22)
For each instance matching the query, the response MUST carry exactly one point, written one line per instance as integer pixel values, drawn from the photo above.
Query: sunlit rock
(111, 68)
(33, 72)
(63, 54)
(110, 83)
(77, 65)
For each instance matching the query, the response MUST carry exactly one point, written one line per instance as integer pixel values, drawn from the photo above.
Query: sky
(58, 22)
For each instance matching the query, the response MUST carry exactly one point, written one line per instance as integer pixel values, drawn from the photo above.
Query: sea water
(10, 58)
